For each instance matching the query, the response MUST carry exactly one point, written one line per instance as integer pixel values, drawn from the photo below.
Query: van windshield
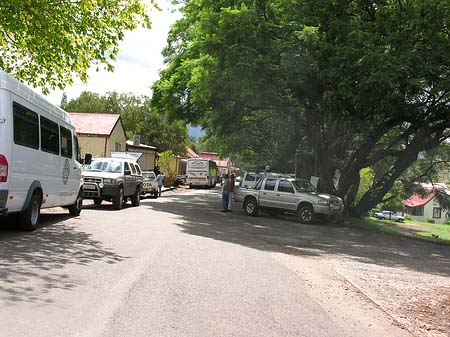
(105, 166)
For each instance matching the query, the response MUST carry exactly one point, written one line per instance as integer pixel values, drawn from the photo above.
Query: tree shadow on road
(33, 263)
(200, 216)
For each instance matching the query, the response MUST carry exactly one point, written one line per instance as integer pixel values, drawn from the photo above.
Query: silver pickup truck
(287, 195)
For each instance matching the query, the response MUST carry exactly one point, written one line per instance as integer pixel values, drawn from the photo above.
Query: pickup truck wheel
(75, 209)
(29, 218)
(251, 207)
(136, 199)
(118, 200)
(305, 214)
(98, 201)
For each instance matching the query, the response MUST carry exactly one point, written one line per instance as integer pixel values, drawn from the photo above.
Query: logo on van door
(66, 171)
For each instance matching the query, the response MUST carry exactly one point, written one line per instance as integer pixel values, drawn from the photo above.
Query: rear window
(149, 175)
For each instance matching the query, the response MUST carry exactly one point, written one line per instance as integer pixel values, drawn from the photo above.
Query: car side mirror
(87, 158)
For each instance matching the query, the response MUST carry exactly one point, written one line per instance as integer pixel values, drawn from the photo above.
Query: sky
(138, 62)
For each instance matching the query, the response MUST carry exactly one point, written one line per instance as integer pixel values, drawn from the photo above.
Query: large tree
(46, 42)
(345, 84)
(138, 118)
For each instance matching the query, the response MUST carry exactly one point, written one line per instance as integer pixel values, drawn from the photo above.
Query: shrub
(431, 221)
(408, 217)
(447, 222)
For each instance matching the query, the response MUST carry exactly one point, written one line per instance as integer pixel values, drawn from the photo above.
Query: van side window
(26, 127)
(133, 168)
(138, 170)
(77, 149)
(285, 186)
(270, 184)
(49, 136)
(66, 142)
(127, 168)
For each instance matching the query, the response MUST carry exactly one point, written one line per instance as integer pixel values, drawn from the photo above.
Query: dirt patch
(431, 312)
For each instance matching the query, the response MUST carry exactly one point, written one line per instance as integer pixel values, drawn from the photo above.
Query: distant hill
(195, 131)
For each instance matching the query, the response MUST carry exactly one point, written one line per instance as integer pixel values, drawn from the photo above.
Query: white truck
(285, 194)
(39, 158)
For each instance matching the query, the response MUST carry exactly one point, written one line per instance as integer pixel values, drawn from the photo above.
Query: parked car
(389, 215)
(113, 179)
(287, 195)
(149, 185)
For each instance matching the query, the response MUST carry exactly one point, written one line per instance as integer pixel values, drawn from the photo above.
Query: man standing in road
(159, 180)
(231, 191)
(225, 193)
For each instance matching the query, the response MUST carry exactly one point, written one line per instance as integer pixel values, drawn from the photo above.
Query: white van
(39, 158)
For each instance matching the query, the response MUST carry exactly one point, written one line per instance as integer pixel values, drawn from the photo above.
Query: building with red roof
(422, 208)
(98, 133)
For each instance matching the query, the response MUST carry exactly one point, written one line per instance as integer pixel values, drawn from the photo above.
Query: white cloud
(138, 62)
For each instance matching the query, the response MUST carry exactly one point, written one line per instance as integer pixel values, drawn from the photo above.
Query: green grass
(439, 233)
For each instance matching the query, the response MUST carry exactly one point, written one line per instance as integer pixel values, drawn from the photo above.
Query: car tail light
(3, 169)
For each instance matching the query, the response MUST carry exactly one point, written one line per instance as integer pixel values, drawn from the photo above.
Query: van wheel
(75, 209)
(29, 218)
(98, 201)
(305, 214)
(251, 207)
(135, 199)
(118, 200)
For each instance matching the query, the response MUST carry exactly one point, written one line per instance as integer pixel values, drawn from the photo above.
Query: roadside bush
(447, 222)
(408, 217)
(431, 221)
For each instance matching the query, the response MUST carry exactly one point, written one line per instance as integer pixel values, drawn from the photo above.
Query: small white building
(427, 207)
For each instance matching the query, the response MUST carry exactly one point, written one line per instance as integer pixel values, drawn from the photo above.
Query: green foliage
(350, 85)
(45, 42)
(138, 118)
(408, 217)
(430, 221)
(366, 180)
(166, 163)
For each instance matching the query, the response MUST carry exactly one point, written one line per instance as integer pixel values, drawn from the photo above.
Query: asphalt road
(176, 266)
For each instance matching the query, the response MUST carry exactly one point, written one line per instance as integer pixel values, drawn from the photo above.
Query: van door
(71, 173)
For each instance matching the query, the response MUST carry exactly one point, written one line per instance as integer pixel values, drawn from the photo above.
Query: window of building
(417, 211)
(285, 186)
(118, 147)
(49, 136)
(66, 142)
(436, 212)
(26, 127)
(270, 184)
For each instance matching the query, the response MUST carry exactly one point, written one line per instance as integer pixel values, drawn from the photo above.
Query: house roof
(94, 123)
(214, 156)
(416, 200)
(191, 153)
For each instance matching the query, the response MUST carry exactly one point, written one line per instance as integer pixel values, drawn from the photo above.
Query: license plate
(335, 207)
(90, 187)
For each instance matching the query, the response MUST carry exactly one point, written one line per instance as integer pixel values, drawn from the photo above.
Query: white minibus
(201, 172)
(39, 155)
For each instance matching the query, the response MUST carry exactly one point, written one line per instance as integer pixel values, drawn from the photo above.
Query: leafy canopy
(46, 42)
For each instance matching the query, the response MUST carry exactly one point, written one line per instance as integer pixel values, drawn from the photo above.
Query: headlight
(324, 202)
(109, 181)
